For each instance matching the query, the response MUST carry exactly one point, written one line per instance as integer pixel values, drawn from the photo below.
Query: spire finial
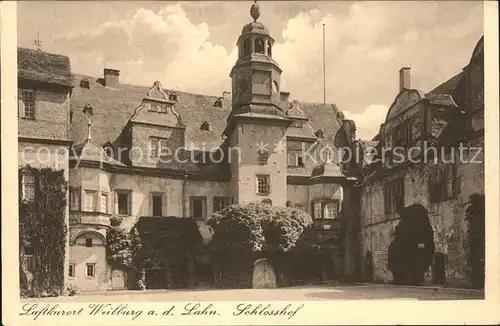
(255, 11)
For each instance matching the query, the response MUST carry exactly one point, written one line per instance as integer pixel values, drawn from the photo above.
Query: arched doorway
(264, 275)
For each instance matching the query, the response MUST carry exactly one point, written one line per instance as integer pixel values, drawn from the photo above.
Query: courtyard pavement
(298, 293)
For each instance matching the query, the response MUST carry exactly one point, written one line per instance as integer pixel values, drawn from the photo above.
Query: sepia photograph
(272, 154)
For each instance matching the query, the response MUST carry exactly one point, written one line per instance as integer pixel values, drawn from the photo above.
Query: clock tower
(256, 126)
(255, 76)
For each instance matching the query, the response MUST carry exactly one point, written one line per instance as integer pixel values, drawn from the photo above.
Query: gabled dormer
(156, 129)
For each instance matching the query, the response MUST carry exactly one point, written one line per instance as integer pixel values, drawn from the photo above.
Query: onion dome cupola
(256, 76)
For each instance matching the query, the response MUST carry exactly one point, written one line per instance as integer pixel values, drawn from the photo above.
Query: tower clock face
(275, 89)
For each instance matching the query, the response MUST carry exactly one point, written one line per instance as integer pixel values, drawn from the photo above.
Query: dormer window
(173, 97)
(84, 83)
(319, 133)
(218, 103)
(205, 126)
(259, 45)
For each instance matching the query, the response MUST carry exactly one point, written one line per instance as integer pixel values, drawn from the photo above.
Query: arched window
(218, 103)
(269, 47)
(205, 126)
(246, 47)
(319, 133)
(84, 83)
(259, 45)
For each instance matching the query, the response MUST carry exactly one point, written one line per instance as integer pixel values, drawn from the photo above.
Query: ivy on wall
(42, 228)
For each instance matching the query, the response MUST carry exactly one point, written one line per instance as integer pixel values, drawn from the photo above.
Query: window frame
(28, 104)
(127, 193)
(93, 265)
(319, 205)
(267, 184)
(89, 242)
(162, 204)
(203, 200)
(394, 199)
(444, 183)
(24, 184)
(72, 270)
(219, 201)
(94, 192)
(155, 151)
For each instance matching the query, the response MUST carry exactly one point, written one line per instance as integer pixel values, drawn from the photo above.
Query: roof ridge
(41, 51)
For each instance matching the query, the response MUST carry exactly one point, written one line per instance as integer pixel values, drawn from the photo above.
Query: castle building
(139, 151)
(131, 151)
(436, 173)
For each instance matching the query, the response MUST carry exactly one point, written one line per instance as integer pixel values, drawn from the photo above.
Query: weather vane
(37, 42)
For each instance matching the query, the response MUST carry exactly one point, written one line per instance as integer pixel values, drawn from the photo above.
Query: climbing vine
(42, 231)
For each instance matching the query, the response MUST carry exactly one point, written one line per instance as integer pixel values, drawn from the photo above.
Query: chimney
(111, 77)
(226, 95)
(404, 78)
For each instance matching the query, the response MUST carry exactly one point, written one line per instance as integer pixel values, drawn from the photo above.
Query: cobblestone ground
(304, 293)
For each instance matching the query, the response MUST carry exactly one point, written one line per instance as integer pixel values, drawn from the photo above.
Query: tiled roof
(114, 107)
(44, 67)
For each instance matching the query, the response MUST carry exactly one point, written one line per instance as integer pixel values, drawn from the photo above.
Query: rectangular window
(443, 183)
(88, 242)
(74, 199)
(198, 207)
(158, 146)
(394, 195)
(295, 158)
(123, 202)
(28, 99)
(317, 210)
(91, 270)
(220, 203)
(104, 203)
(71, 270)
(331, 210)
(28, 187)
(263, 184)
(157, 204)
(90, 200)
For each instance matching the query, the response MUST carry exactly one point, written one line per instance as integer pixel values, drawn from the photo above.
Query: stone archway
(411, 251)
(263, 275)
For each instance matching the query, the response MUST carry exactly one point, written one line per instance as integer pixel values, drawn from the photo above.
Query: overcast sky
(190, 46)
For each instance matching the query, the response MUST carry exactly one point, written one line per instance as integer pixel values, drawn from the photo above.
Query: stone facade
(446, 126)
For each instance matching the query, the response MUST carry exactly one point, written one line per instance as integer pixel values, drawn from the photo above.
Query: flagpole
(324, 67)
